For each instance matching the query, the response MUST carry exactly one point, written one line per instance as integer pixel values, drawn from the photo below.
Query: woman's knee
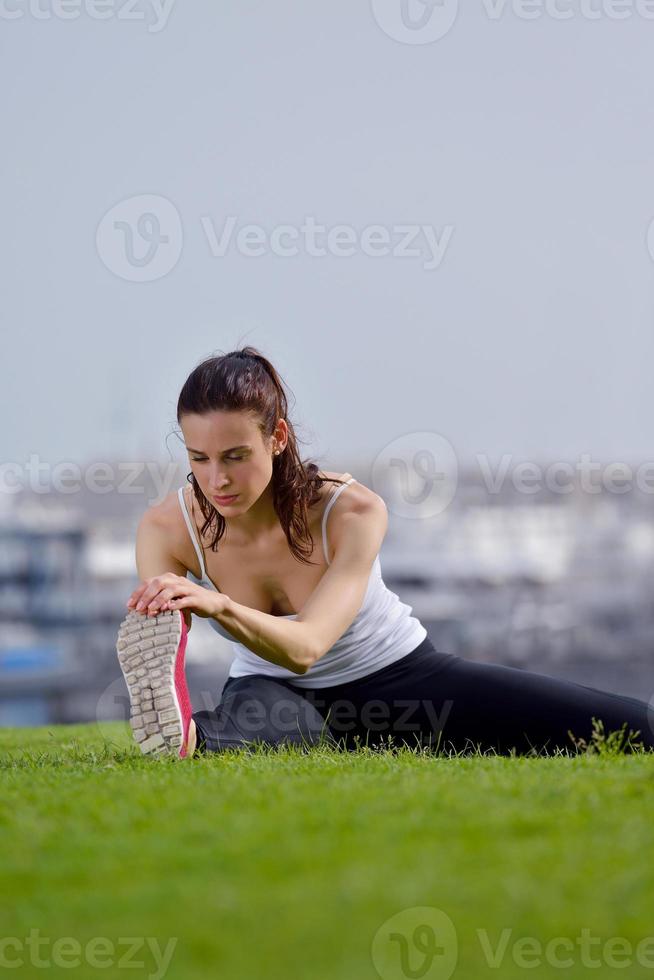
(260, 710)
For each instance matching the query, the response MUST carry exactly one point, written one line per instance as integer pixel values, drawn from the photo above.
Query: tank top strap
(198, 551)
(330, 504)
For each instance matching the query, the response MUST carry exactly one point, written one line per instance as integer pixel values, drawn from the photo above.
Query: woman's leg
(258, 710)
(446, 702)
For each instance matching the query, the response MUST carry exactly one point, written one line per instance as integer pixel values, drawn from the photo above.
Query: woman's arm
(278, 640)
(333, 605)
(154, 553)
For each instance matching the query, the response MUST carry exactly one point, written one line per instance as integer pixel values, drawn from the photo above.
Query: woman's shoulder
(356, 495)
(167, 508)
(167, 514)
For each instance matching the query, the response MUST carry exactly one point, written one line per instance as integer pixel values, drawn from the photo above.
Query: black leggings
(426, 699)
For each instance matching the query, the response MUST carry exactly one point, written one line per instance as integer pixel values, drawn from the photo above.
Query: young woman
(284, 561)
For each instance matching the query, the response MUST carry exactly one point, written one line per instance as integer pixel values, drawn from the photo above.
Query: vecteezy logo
(416, 474)
(419, 943)
(140, 238)
(650, 717)
(415, 21)
(112, 706)
(650, 239)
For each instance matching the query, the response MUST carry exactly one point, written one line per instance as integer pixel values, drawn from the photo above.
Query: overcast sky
(512, 158)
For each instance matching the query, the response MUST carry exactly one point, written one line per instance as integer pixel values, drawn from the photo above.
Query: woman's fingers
(167, 592)
(165, 598)
(147, 591)
(140, 596)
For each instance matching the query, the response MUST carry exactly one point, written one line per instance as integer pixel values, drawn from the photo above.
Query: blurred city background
(560, 584)
(448, 233)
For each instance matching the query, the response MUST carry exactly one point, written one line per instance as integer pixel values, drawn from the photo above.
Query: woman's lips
(226, 500)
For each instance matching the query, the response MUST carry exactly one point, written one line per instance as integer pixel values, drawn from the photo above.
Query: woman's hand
(170, 591)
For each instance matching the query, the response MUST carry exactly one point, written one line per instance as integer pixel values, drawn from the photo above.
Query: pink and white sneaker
(151, 653)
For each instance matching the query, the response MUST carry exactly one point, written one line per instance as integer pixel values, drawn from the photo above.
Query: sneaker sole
(151, 651)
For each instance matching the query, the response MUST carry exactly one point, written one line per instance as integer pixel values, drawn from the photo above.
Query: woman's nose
(219, 482)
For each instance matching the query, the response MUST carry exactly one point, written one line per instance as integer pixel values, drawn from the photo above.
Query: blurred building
(551, 583)
(64, 582)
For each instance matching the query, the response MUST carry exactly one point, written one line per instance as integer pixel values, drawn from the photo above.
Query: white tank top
(382, 632)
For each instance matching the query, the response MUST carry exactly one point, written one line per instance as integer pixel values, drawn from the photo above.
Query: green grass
(283, 864)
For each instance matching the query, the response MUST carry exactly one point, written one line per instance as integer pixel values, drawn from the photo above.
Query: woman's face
(228, 456)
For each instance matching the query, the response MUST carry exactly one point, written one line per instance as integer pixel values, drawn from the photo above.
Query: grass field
(339, 866)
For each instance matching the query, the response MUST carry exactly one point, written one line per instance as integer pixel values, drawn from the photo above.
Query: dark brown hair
(244, 380)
